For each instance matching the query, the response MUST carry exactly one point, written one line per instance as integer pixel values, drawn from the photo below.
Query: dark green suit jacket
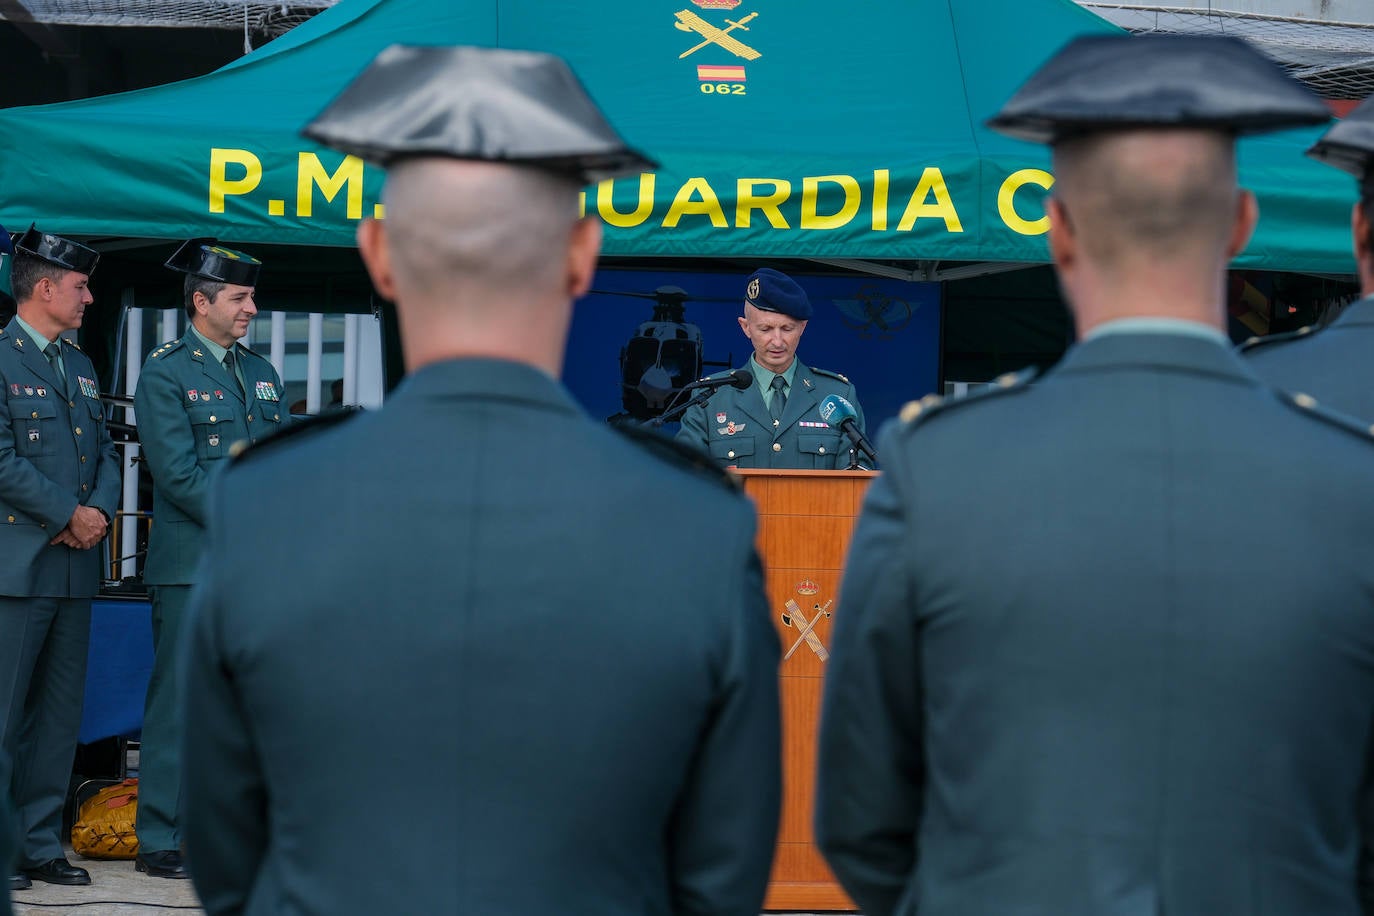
(490, 666)
(1106, 646)
(735, 429)
(55, 454)
(190, 413)
(1334, 365)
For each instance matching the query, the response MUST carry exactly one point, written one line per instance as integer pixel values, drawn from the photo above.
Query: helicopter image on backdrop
(664, 354)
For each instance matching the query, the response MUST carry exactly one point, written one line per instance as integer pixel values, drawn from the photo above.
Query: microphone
(736, 378)
(839, 412)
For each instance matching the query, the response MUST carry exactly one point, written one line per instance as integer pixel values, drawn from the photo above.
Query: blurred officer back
(1075, 674)
(775, 422)
(197, 396)
(1336, 364)
(485, 620)
(59, 487)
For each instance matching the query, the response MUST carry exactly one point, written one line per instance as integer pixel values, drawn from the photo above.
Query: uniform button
(71, 403)
(84, 488)
(777, 446)
(821, 450)
(250, 418)
(78, 430)
(11, 519)
(776, 423)
(276, 416)
(212, 419)
(34, 415)
(729, 454)
(83, 459)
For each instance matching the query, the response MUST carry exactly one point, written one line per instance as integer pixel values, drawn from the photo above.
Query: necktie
(54, 354)
(779, 397)
(230, 366)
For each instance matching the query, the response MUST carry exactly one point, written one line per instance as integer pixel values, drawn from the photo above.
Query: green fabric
(866, 123)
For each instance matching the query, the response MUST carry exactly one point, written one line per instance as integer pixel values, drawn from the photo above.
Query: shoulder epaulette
(679, 455)
(71, 343)
(1307, 405)
(918, 411)
(162, 349)
(242, 451)
(829, 374)
(1254, 343)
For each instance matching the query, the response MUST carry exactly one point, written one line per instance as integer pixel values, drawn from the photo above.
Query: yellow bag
(104, 827)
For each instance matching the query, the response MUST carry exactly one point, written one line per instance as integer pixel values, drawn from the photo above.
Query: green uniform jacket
(499, 621)
(734, 428)
(1106, 647)
(190, 413)
(1335, 365)
(55, 454)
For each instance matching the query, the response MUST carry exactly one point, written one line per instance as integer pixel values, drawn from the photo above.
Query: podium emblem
(796, 617)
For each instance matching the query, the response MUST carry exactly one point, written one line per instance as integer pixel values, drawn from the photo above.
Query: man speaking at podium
(783, 419)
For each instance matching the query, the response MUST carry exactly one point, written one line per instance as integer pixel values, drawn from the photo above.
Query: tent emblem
(688, 21)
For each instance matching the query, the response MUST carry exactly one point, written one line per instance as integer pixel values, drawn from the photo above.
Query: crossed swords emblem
(795, 618)
(688, 21)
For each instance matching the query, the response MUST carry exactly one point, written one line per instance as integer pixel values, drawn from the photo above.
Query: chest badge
(720, 417)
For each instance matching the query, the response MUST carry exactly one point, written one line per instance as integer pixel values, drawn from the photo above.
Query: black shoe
(164, 863)
(59, 871)
(20, 883)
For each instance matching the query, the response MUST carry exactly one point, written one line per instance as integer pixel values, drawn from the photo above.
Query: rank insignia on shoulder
(1255, 343)
(196, 352)
(827, 372)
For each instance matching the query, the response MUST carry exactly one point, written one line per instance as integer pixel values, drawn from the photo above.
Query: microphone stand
(701, 397)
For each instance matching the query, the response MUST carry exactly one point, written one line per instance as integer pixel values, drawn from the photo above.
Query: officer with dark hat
(778, 421)
(1335, 364)
(415, 645)
(197, 397)
(1068, 674)
(59, 488)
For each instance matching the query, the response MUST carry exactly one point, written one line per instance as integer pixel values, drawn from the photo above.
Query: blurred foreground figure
(491, 666)
(1336, 365)
(1078, 673)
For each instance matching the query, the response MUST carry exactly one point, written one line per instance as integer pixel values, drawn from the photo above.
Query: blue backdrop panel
(117, 669)
(883, 334)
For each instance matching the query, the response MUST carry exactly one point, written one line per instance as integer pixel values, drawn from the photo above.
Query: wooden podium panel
(805, 521)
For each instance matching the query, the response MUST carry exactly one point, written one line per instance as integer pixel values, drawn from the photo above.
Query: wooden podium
(805, 522)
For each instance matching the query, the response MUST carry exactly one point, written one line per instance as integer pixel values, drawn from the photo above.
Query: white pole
(278, 357)
(350, 359)
(171, 325)
(133, 362)
(313, 356)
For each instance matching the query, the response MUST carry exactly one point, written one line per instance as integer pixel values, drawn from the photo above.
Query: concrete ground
(115, 890)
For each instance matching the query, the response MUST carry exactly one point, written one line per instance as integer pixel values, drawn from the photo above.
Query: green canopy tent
(786, 129)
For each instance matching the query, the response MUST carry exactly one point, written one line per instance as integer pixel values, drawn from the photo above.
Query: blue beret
(487, 104)
(774, 291)
(1113, 82)
(1349, 144)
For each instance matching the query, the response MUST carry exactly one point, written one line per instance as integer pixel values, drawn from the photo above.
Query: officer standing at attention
(196, 397)
(776, 422)
(550, 701)
(1071, 677)
(1336, 364)
(59, 488)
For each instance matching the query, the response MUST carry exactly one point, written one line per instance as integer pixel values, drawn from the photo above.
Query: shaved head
(477, 224)
(1138, 196)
